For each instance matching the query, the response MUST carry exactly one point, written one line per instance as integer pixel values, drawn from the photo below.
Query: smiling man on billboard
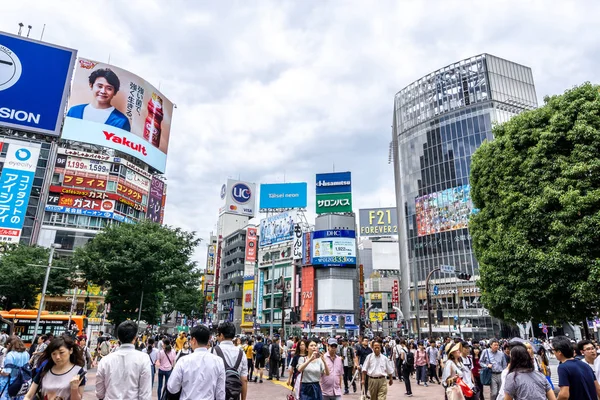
(104, 85)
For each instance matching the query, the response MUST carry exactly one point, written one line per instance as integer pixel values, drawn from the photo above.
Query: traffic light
(463, 276)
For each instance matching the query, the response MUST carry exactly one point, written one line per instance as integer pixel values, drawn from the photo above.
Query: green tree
(188, 300)
(23, 276)
(537, 233)
(135, 260)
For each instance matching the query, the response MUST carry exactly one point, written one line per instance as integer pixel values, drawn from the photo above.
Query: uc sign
(241, 193)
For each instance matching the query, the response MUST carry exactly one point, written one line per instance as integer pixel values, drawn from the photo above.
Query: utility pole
(282, 306)
(272, 298)
(43, 297)
(429, 319)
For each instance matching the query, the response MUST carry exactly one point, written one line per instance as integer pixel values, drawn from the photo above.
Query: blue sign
(81, 211)
(283, 195)
(335, 182)
(34, 84)
(15, 187)
(456, 318)
(241, 193)
(334, 248)
(436, 290)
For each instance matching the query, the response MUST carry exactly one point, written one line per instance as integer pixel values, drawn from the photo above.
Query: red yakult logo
(125, 142)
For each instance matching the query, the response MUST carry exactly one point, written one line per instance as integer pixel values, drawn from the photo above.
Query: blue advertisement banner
(259, 298)
(33, 70)
(334, 319)
(15, 187)
(277, 229)
(334, 248)
(283, 195)
(334, 182)
(79, 211)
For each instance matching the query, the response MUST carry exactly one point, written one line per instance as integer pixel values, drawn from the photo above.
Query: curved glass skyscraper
(439, 122)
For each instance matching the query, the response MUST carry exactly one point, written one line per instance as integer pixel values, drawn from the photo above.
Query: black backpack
(233, 382)
(410, 359)
(19, 385)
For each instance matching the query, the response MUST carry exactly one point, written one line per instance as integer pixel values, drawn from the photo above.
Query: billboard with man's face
(114, 108)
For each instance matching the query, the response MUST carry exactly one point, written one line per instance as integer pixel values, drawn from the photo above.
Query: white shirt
(597, 368)
(96, 114)
(377, 366)
(345, 355)
(231, 354)
(124, 375)
(199, 376)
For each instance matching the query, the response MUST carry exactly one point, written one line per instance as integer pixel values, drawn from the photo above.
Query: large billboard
(277, 229)
(239, 198)
(157, 188)
(34, 83)
(283, 195)
(247, 304)
(334, 248)
(443, 211)
(378, 221)
(15, 187)
(114, 108)
(334, 193)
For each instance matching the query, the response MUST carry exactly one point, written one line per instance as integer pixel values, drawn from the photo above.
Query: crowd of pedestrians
(205, 365)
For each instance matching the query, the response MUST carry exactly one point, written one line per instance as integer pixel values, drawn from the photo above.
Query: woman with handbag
(312, 370)
(165, 363)
(523, 381)
(456, 374)
(63, 375)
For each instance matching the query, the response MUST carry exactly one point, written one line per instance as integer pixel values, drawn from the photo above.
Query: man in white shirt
(231, 354)
(377, 367)
(125, 373)
(207, 385)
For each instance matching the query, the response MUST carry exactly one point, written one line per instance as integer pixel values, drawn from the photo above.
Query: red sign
(307, 299)
(79, 192)
(67, 200)
(251, 245)
(395, 295)
(82, 181)
(129, 192)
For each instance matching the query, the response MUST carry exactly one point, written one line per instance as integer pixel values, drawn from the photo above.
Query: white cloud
(269, 89)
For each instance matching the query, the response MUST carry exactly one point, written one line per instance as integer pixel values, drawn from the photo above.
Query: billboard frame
(60, 116)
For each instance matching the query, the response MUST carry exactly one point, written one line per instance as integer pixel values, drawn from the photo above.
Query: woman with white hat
(454, 368)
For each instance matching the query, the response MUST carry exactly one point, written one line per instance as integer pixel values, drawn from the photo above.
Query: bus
(23, 323)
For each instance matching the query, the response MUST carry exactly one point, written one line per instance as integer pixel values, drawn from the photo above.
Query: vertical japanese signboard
(15, 187)
(308, 295)
(155, 197)
(250, 255)
(297, 243)
(395, 295)
(306, 256)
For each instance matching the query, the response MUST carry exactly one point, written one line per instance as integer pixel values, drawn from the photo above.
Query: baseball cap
(332, 341)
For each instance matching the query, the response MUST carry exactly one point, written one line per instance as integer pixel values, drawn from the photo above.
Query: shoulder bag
(485, 375)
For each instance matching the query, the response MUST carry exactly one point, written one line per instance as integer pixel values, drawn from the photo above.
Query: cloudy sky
(269, 91)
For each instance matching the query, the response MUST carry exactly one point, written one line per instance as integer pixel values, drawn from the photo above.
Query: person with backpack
(274, 359)
(261, 351)
(16, 371)
(408, 366)
(236, 369)
(63, 374)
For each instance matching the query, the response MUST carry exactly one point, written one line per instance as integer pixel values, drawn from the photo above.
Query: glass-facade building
(439, 122)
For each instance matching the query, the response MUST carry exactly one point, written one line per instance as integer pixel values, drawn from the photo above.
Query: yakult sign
(239, 197)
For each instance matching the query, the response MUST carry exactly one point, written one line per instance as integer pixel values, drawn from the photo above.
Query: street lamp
(43, 297)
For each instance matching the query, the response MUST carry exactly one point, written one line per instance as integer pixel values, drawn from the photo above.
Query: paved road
(278, 390)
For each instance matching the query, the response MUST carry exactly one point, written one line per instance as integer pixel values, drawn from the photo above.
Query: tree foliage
(23, 276)
(146, 257)
(537, 232)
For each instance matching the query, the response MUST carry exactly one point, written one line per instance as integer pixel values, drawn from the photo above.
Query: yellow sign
(247, 304)
(376, 296)
(377, 316)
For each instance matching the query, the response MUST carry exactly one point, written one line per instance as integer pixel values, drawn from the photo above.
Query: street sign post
(448, 269)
